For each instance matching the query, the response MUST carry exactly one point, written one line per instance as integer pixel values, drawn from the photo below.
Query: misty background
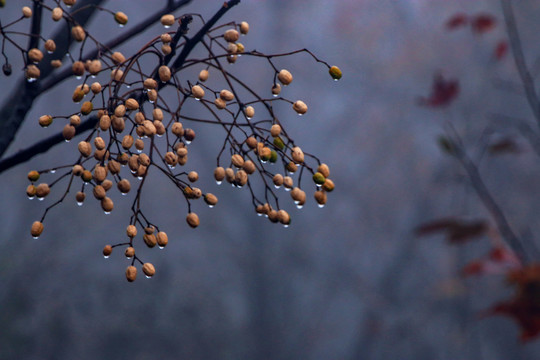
(348, 281)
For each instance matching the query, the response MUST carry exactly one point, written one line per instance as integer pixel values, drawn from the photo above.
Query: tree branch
(43, 146)
(488, 201)
(519, 58)
(200, 34)
(25, 93)
(127, 35)
(33, 40)
(22, 97)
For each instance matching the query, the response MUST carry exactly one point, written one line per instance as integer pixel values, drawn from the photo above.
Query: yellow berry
(244, 27)
(121, 18)
(203, 75)
(27, 12)
(57, 13)
(167, 20)
(335, 72)
(319, 178)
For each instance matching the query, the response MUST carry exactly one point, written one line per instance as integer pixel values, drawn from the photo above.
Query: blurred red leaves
(483, 23)
(524, 306)
(500, 260)
(505, 145)
(457, 231)
(480, 23)
(456, 21)
(443, 92)
(501, 49)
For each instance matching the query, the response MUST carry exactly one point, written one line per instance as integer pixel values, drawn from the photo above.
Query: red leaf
(483, 23)
(442, 92)
(473, 268)
(503, 255)
(504, 146)
(465, 231)
(524, 307)
(501, 49)
(457, 231)
(457, 20)
(434, 226)
(526, 314)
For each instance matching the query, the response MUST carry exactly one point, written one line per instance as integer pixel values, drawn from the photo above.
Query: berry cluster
(138, 131)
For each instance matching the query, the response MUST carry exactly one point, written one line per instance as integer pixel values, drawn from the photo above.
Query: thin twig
(519, 58)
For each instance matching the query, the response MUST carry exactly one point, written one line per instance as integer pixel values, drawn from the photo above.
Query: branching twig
(519, 58)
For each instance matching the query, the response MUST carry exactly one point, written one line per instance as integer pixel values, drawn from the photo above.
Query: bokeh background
(348, 281)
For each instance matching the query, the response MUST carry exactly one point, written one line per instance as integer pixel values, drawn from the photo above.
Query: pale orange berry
(78, 33)
(167, 20)
(131, 231)
(231, 35)
(35, 55)
(203, 75)
(27, 12)
(285, 77)
(57, 13)
(244, 27)
(300, 107)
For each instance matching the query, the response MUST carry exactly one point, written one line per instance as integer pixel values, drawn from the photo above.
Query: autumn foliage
(507, 256)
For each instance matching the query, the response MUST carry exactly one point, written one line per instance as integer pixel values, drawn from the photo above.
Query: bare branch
(43, 146)
(519, 58)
